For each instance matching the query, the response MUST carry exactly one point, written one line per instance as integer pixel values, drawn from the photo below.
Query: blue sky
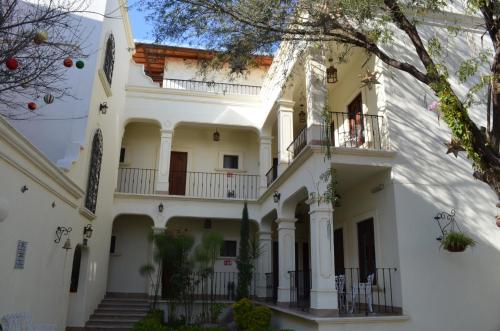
(142, 31)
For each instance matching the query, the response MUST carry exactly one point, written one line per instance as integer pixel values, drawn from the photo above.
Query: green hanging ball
(79, 64)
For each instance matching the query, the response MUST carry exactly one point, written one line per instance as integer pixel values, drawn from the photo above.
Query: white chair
(340, 287)
(363, 290)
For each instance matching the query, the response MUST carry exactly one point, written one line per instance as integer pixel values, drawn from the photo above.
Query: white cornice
(126, 24)
(39, 160)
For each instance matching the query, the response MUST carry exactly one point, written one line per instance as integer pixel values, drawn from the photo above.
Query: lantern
(11, 63)
(79, 64)
(302, 115)
(48, 98)
(31, 106)
(68, 62)
(216, 136)
(40, 37)
(331, 73)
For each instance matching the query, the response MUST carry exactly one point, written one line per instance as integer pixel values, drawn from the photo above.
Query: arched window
(94, 172)
(109, 58)
(75, 271)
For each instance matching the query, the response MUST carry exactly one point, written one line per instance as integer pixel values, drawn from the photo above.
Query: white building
(199, 148)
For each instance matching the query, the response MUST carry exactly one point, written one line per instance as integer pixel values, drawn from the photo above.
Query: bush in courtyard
(250, 318)
(152, 322)
(241, 313)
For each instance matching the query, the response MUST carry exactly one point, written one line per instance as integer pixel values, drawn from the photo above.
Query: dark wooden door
(366, 249)
(338, 247)
(307, 270)
(356, 125)
(276, 270)
(177, 177)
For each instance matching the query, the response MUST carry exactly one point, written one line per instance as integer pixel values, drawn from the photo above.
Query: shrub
(152, 322)
(241, 313)
(259, 319)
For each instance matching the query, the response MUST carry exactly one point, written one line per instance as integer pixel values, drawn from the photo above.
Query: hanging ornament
(68, 62)
(25, 83)
(48, 98)
(11, 63)
(31, 106)
(79, 64)
(40, 37)
(454, 147)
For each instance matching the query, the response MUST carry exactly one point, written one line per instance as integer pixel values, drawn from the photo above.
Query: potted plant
(456, 241)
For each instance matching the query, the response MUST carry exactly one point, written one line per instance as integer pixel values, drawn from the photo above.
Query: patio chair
(363, 290)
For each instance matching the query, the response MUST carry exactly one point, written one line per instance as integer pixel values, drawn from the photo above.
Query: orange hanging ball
(31, 106)
(68, 62)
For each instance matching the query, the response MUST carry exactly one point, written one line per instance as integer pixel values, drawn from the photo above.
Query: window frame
(94, 172)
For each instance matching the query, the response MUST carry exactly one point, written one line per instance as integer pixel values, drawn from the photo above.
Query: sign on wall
(20, 254)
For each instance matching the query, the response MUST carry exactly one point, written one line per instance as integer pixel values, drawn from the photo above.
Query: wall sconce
(24, 188)
(331, 73)
(60, 232)
(87, 233)
(160, 207)
(302, 114)
(276, 196)
(103, 108)
(216, 135)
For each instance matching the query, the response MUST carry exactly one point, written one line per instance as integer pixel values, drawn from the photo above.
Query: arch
(288, 206)
(218, 125)
(131, 120)
(94, 172)
(268, 219)
(109, 58)
(75, 270)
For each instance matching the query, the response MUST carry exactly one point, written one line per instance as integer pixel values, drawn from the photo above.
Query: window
(94, 172)
(366, 249)
(122, 155)
(230, 162)
(112, 246)
(109, 58)
(228, 249)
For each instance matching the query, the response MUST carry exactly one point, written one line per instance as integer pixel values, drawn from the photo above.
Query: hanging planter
(452, 238)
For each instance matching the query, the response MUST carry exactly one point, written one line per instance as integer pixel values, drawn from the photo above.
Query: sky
(142, 31)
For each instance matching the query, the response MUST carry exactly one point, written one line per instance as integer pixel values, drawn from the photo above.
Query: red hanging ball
(68, 62)
(11, 63)
(31, 106)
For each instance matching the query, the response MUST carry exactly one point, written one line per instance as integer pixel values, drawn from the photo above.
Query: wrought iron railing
(300, 288)
(271, 287)
(205, 286)
(271, 175)
(136, 180)
(221, 185)
(211, 87)
(358, 131)
(298, 144)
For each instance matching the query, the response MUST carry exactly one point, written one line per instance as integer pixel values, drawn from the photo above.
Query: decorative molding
(126, 24)
(86, 213)
(39, 160)
(104, 82)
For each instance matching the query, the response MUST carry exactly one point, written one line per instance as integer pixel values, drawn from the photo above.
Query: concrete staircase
(118, 311)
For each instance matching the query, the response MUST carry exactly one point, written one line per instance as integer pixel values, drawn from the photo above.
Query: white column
(156, 230)
(285, 133)
(316, 93)
(265, 161)
(264, 263)
(323, 293)
(286, 263)
(164, 161)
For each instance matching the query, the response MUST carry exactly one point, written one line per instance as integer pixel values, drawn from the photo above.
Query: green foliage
(216, 310)
(152, 322)
(456, 241)
(244, 262)
(207, 252)
(195, 328)
(250, 318)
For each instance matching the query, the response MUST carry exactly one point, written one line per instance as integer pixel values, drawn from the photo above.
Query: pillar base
(283, 295)
(324, 299)
(324, 312)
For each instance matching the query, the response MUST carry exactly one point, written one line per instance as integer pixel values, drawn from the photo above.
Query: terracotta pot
(455, 248)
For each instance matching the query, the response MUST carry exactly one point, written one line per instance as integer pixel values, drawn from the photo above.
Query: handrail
(211, 86)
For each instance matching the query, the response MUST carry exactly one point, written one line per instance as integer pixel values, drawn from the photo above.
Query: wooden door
(177, 177)
(276, 270)
(356, 125)
(366, 249)
(338, 251)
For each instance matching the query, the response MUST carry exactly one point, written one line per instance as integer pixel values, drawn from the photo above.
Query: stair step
(112, 322)
(122, 310)
(111, 314)
(132, 300)
(107, 328)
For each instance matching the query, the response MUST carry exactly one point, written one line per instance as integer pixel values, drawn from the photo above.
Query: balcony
(207, 185)
(211, 87)
(358, 131)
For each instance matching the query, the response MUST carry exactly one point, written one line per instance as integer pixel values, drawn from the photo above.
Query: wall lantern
(87, 233)
(160, 207)
(302, 114)
(331, 73)
(103, 108)
(60, 232)
(276, 196)
(216, 136)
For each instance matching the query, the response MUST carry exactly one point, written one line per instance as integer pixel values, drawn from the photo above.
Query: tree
(249, 27)
(36, 37)
(244, 263)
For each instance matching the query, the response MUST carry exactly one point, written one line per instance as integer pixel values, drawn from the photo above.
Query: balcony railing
(358, 292)
(211, 87)
(271, 175)
(137, 181)
(271, 287)
(214, 185)
(298, 144)
(358, 131)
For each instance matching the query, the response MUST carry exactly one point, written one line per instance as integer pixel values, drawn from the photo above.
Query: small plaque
(20, 254)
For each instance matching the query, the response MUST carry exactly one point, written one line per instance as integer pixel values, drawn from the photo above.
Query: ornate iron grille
(94, 172)
(109, 59)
